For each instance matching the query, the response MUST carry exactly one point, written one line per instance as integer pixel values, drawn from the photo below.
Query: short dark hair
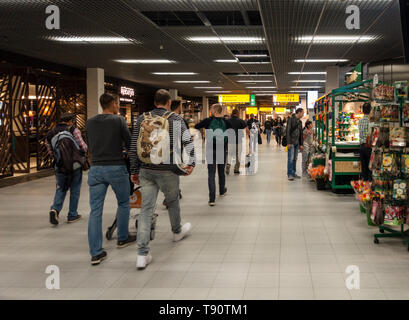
(366, 108)
(175, 104)
(307, 123)
(66, 117)
(106, 100)
(235, 112)
(299, 110)
(162, 97)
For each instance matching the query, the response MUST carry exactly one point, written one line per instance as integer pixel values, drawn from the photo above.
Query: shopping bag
(135, 200)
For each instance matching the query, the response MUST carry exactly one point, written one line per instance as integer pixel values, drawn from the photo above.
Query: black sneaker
(98, 259)
(236, 172)
(74, 219)
(224, 193)
(127, 242)
(54, 217)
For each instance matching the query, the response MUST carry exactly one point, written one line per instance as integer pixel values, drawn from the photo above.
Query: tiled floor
(269, 239)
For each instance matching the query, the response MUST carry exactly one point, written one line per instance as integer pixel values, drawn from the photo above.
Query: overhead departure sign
(286, 98)
(234, 98)
(280, 110)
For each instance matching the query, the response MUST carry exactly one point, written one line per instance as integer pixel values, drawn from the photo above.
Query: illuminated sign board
(312, 96)
(268, 110)
(253, 100)
(234, 98)
(129, 92)
(251, 111)
(280, 110)
(286, 98)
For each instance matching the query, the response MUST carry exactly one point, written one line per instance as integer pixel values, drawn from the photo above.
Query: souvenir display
(397, 137)
(394, 215)
(399, 189)
(384, 92)
(405, 164)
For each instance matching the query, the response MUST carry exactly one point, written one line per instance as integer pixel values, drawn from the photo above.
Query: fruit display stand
(343, 143)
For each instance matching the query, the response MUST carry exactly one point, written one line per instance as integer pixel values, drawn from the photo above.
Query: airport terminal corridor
(270, 238)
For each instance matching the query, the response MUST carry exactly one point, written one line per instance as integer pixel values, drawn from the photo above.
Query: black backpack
(68, 155)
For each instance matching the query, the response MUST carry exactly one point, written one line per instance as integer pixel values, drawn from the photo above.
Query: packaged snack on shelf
(375, 163)
(397, 137)
(389, 113)
(394, 215)
(399, 190)
(406, 112)
(375, 136)
(384, 92)
(375, 114)
(405, 163)
(377, 213)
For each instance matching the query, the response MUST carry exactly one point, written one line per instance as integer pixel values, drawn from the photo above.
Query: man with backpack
(268, 126)
(108, 135)
(66, 145)
(294, 140)
(156, 165)
(216, 149)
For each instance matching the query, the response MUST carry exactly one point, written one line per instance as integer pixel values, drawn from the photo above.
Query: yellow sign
(268, 110)
(286, 97)
(281, 110)
(234, 98)
(251, 111)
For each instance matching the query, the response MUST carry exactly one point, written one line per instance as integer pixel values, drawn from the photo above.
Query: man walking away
(107, 135)
(268, 126)
(365, 151)
(216, 143)
(254, 127)
(63, 142)
(154, 167)
(239, 126)
(278, 126)
(308, 139)
(294, 142)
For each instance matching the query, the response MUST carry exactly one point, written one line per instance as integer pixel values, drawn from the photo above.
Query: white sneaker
(143, 261)
(185, 232)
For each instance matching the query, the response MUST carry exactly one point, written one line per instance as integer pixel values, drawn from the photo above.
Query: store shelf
(342, 187)
(347, 173)
(357, 158)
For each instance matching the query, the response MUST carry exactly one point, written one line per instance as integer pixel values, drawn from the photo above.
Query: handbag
(86, 164)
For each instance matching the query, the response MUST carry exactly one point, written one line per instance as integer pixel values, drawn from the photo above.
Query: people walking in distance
(308, 146)
(108, 135)
(216, 149)
(235, 151)
(294, 142)
(254, 127)
(268, 127)
(156, 166)
(278, 130)
(66, 146)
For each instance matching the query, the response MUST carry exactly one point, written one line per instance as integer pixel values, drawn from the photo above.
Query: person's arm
(78, 137)
(126, 134)
(288, 130)
(188, 145)
(202, 124)
(133, 152)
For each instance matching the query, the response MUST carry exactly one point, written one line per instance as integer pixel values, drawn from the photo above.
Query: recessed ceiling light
(145, 61)
(217, 91)
(191, 81)
(255, 62)
(226, 60)
(320, 60)
(254, 81)
(174, 73)
(251, 55)
(309, 81)
(307, 87)
(208, 87)
(306, 73)
(261, 87)
(247, 40)
(335, 39)
(94, 40)
(254, 75)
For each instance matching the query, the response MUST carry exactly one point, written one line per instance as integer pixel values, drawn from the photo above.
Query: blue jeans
(268, 133)
(151, 181)
(211, 168)
(61, 192)
(99, 178)
(292, 160)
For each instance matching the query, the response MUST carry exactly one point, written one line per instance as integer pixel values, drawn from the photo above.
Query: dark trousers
(211, 168)
(365, 155)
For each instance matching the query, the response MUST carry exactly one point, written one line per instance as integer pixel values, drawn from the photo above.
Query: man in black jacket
(216, 149)
(294, 142)
(235, 148)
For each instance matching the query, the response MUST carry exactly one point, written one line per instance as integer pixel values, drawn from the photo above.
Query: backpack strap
(168, 114)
